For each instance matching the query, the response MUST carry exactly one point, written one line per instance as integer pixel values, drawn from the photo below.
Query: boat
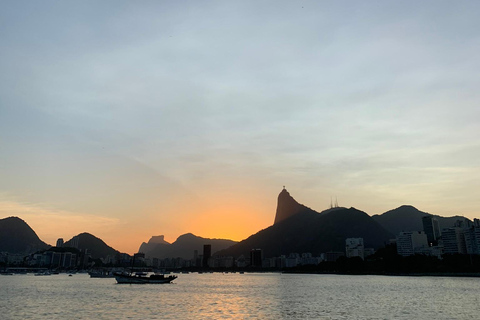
(142, 278)
(101, 274)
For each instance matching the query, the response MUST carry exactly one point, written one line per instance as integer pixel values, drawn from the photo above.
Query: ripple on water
(241, 296)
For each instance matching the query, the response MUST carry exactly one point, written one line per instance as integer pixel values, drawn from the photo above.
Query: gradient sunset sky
(131, 119)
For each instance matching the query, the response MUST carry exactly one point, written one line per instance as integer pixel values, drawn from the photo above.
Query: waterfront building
(241, 262)
(11, 258)
(308, 259)
(207, 253)
(411, 242)
(454, 241)
(332, 256)
(256, 257)
(472, 238)
(195, 258)
(223, 262)
(431, 229)
(268, 263)
(281, 262)
(55, 260)
(354, 248)
(68, 260)
(292, 260)
(368, 252)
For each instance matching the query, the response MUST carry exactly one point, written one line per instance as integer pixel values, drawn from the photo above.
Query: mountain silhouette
(16, 236)
(305, 230)
(287, 206)
(156, 245)
(409, 218)
(95, 246)
(183, 247)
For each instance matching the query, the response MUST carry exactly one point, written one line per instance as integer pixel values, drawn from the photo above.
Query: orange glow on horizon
(230, 219)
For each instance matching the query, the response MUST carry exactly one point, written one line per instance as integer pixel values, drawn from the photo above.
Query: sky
(133, 119)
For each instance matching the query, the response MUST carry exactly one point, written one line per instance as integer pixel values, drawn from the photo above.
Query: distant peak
(158, 239)
(187, 236)
(407, 206)
(85, 234)
(13, 219)
(287, 206)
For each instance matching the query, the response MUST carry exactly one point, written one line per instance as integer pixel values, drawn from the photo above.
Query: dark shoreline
(392, 274)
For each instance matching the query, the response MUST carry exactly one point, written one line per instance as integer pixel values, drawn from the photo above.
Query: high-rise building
(472, 237)
(354, 248)
(195, 258)
(411, 242)
(59, 243)
(472, 240)
(207, 253)
(431, 229)
(454, 240)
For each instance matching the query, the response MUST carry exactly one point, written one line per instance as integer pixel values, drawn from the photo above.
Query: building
(293, 260)
(241, 262)
(281, 262)
(207, 253)
(354, 248)
(454, 241)
(256, 257)
(411, 242)
(332, 256)
(368, 252)
(59, 243)
(472, 238)
(431, 229)
(11, 258)
(53, 259)
(223, 262)
(268, 262)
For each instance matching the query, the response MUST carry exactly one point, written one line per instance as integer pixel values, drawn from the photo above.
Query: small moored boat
(101, 274)
(142, 278)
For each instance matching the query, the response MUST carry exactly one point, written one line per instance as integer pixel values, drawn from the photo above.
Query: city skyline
(130, 120)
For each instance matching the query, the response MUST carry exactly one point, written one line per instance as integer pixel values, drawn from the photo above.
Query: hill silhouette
(309, 231)
(16, 236)
(409, 218)
(287, 206)
(183, 247)
(95, 246)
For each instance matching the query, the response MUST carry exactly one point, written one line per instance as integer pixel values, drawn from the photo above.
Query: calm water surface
(241, 296)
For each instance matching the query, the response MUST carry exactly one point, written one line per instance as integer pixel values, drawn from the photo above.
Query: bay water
(241, 296)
